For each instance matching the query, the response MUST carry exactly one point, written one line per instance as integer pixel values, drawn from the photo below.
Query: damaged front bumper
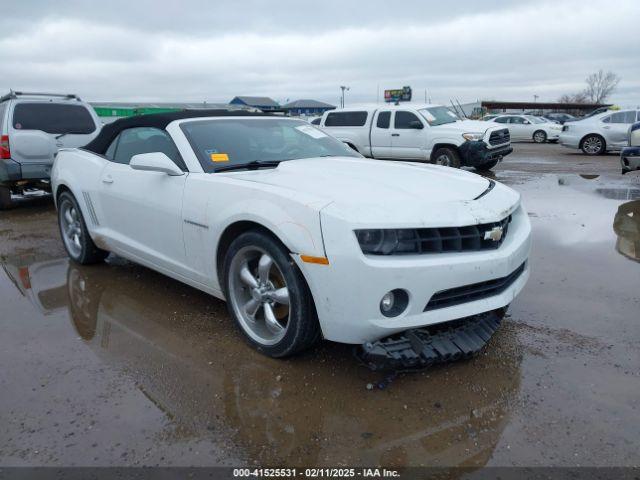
(476, 153)
(423, 347)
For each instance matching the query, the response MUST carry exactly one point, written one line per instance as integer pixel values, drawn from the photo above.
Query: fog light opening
(394, 302)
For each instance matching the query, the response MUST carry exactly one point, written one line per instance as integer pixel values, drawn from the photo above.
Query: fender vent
(91, 210)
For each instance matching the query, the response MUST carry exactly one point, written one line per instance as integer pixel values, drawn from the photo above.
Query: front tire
(539, 136)
(447, 157)
(268, 296)
(75, 236)
(593, 145)
(5, 198)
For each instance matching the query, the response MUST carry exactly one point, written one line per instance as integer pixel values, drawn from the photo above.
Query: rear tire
(75, 236)
(446, 157)
(5, 198)
(539, 136)
(268, 297)
(593, 145)
(485, 167)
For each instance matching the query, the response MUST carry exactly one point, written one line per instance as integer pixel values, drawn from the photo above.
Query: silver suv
(33, 126)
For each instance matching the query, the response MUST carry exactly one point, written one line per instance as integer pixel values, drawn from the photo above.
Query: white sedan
(301, 235)
(528, 127)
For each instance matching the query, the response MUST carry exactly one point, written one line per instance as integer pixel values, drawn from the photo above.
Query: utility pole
(535, 98)
(343, 88)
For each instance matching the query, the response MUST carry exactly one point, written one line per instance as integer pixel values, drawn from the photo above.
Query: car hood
(360, 188)
(468, 126)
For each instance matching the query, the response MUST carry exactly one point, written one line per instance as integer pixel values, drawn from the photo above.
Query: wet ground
(117, 365)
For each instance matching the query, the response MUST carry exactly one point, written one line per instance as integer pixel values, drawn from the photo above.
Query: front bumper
(630, 159)
(475, 153)
(347, 292)
(423, 347)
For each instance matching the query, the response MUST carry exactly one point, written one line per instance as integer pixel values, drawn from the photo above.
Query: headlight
(473, 136)
(387, 241)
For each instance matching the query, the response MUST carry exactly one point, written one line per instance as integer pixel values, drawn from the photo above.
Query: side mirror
(417, 124)
(155, 162)
(527, 122)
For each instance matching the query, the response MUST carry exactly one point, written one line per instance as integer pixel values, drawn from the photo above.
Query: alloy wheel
(259, 295)
(443, 160)
(592, 145)
(71, 228)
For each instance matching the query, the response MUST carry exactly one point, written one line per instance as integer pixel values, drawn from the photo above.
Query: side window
(383, 120)
(403, 119)
(316, 121)
(346, 119)
(145, 140)
(623, 117)
(638, 118)
(517, 120)
(111, 151)
(607, 119)
(502, 120)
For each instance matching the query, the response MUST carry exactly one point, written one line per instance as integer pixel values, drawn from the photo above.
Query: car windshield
(438, 115)
(238, 141)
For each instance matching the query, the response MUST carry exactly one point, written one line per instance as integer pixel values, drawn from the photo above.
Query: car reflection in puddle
(627, 227)
(310, 410)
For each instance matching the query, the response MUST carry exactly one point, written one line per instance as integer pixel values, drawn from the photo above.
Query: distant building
(263, 103)
(307, 107)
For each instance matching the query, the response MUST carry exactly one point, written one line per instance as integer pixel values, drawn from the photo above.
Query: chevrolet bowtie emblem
(494, 234)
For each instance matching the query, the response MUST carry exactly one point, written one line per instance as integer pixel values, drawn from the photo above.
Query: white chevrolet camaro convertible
(303, 237)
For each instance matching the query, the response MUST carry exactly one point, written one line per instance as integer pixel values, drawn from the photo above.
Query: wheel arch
(231, 232)
(438, 146)
(59, 191)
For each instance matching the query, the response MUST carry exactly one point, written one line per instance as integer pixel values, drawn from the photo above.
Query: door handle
(107, 179)
(606, 127)
(395, 134)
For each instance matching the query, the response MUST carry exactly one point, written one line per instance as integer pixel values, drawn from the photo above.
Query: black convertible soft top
(109, 132)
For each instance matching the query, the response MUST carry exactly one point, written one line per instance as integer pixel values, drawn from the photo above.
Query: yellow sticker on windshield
(219, 157)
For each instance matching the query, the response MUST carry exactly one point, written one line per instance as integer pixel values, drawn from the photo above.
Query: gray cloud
(197, 50)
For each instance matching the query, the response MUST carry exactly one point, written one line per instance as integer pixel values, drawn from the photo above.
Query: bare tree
(580, 97)
(600, 85)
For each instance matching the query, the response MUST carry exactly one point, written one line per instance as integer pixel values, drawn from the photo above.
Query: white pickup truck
(431, 133)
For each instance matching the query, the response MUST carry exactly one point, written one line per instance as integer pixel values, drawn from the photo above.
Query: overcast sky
(170, 50)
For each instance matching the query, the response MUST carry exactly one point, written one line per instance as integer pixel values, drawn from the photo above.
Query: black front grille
(475, 291)
(460, 239)
(499, 137)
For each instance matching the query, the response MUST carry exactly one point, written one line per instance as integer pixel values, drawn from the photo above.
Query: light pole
(343, 88)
